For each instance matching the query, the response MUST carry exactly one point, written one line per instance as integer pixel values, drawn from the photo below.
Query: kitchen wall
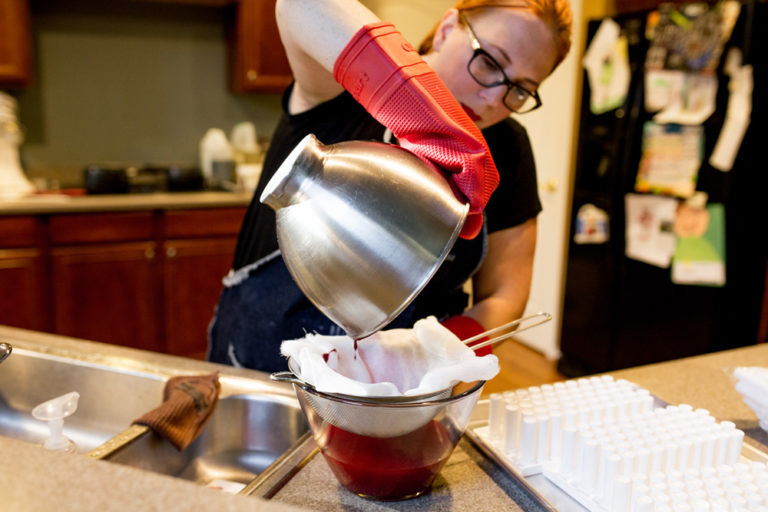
(413, 19)
(128, 82)
(141, 82)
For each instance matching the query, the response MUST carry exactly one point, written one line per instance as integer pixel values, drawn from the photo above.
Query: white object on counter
(554, 409)
(248, 176)
(245, 143)
(214, 147)
(615, 452)
(752, 383)
(54, 411)
(673, 477)
(13, 182)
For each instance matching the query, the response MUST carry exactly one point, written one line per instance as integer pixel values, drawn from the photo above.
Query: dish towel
(188, 402)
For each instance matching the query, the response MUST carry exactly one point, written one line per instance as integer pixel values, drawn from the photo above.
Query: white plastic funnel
(54, 411)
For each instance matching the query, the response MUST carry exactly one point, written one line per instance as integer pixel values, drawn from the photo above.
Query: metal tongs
(541, 316)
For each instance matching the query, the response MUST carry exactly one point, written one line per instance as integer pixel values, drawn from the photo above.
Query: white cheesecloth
(396, 362)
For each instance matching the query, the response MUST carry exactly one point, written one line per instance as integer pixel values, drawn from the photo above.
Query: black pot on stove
(102, 179)
(182, 178)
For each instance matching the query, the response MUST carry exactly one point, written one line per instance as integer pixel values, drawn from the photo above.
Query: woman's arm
(379, 68)
(314, 32)
(502, 285)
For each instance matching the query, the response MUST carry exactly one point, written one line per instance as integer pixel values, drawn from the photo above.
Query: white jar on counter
(13, 182)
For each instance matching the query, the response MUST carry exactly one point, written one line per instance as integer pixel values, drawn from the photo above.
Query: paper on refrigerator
(700, 253)
(649, 234)
(737, 115)
(607, 64)
(691, 101)
(671, 158)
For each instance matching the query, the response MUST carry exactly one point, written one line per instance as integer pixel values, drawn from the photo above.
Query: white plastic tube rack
(528, 426)
(602, 442)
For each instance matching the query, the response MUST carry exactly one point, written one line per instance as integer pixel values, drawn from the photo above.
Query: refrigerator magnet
(591, 225)
(699, 257)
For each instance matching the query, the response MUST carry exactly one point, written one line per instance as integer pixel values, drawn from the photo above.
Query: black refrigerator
(619, 312)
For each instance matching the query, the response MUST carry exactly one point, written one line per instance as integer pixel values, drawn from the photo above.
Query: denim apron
(261, 305)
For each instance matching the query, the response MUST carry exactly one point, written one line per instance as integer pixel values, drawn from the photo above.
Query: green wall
(129, 82)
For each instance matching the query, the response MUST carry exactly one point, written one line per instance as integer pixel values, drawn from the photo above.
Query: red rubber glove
(388, 77)
(465, 327)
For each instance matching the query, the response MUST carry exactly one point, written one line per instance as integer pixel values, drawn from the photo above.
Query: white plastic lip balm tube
(568, 456)
(511, 428)
(496, 415)
(620, 499)
(542, 437)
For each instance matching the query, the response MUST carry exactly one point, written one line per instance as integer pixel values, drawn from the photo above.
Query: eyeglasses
(486, 71)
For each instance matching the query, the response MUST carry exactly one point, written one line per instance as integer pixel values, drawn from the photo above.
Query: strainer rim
(386, 401)
(295, 370)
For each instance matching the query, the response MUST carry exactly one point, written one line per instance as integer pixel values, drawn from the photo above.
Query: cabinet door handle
(170, 252)
(149, 253)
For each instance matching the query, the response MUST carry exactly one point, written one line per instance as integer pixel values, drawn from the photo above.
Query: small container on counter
(106, 179)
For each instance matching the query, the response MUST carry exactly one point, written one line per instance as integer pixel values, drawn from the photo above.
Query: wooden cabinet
(15, 44)
(105, 278)
(109, 293)
(143, 279)
(198, 249)
(257, 59)
(23, 299)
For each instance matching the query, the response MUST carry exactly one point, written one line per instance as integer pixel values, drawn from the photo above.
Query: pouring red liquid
(388, 468)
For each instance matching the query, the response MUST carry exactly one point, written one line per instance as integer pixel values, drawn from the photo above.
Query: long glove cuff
(371, 64)
(392, 82)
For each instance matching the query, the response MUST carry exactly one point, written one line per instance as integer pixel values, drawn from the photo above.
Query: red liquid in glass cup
(387, 468)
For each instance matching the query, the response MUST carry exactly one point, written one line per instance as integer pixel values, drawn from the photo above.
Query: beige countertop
(34, 479)
(60, 203)
(705, 382)
(702, 381)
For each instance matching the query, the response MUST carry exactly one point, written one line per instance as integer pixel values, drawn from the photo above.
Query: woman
(491, 55)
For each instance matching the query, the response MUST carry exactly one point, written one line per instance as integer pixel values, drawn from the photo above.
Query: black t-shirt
(342, 118)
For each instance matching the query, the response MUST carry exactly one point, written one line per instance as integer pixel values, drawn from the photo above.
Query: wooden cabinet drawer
(100, 227)
(21, 231)
(203, 223)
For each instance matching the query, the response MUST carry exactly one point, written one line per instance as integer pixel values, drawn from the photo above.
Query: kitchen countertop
(61, 203)
(705, 382)
(34, 479)
(469, 481)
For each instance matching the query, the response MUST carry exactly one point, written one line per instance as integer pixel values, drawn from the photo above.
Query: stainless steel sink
(245, 434)
(255, 421)
(110, 398)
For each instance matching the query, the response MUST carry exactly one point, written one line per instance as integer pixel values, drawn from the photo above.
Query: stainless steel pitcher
(362, 227)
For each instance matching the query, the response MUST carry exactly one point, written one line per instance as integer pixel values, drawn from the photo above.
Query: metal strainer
(387, 416)
(377, 416)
